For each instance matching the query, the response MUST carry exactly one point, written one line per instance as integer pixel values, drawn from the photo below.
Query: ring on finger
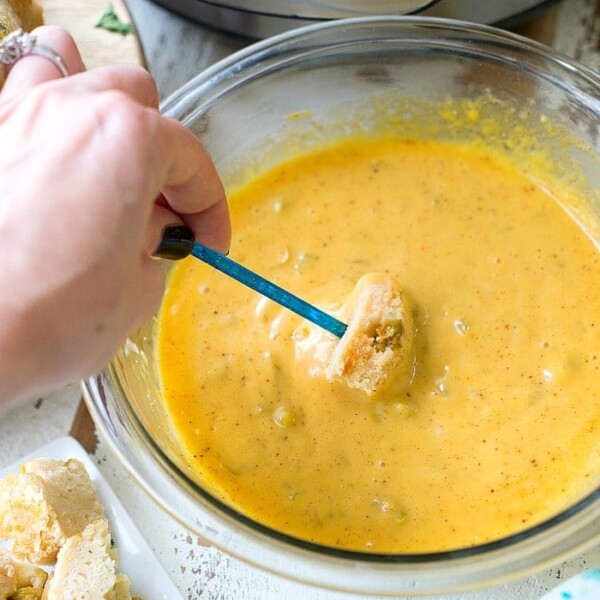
(19, 44)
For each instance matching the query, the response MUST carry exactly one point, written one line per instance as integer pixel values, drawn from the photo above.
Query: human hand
(90, 174)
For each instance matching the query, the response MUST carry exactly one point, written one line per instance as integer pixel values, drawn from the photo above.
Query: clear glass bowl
(240, 108)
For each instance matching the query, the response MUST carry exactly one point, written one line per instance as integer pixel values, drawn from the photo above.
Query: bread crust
(29, 13)
(18, 14)
(15, 14)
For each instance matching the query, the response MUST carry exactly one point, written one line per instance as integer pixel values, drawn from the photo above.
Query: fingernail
(176, 242)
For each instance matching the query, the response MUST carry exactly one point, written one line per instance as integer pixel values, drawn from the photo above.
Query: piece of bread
(51, 513)
(121, 589)
(30, 581)
(9, 21)
(18, 14)
(29, 13)
(377, 350)
(48, 502)
(85, 567)
(20, 581)
(8, 579)
(15, 14)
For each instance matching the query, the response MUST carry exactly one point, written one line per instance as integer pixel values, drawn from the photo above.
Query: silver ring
(19, 44)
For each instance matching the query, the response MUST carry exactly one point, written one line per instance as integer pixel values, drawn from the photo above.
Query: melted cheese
(499, 428)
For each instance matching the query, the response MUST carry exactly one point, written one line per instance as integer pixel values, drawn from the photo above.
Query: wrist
(16, 380)
(26, 353)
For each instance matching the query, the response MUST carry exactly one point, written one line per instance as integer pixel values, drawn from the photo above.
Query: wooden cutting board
(98, 47)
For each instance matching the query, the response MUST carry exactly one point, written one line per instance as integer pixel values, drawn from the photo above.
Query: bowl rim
(251, 54)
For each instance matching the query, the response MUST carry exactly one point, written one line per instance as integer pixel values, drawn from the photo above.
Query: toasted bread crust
(15, 14)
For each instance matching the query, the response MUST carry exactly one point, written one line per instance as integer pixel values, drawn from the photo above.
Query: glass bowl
(295, 87)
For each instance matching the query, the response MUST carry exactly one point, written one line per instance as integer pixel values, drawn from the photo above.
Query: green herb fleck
(111, 22)
(389, 334)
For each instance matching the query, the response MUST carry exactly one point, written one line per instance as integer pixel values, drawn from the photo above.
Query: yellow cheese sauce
(500, 427)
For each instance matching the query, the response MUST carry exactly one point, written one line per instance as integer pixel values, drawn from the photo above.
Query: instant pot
(263, 18)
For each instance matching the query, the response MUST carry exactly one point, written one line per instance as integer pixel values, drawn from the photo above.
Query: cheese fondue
(500, 425)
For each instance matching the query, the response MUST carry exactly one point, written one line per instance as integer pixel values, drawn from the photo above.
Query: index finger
(192, 187)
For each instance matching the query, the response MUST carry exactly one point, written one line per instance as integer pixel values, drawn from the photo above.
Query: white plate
(148, 579)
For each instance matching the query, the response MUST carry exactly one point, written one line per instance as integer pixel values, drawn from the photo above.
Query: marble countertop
(176, 50)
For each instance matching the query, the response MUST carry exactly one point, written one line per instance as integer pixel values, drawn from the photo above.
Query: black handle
(176, 243)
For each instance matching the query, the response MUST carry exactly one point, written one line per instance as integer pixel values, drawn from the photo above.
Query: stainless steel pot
(263, 18)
